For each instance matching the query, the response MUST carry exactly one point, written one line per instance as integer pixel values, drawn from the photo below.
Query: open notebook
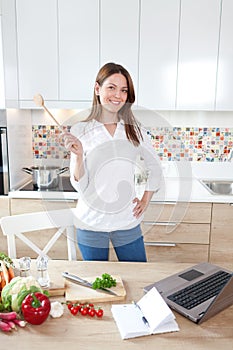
(150, 315)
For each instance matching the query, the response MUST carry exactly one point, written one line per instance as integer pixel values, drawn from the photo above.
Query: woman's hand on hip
(139, 208)
(72, 143)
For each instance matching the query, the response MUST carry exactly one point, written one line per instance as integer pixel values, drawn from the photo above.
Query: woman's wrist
(79, 168)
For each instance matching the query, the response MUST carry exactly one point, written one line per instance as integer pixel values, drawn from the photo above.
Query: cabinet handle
(154, 223)
(163, 203)
(157, 244)
(61, 200)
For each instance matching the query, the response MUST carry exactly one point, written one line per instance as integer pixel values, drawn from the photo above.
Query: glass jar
(42, 271)
(25, 266)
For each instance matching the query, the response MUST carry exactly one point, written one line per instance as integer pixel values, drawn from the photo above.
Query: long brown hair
(132, 128)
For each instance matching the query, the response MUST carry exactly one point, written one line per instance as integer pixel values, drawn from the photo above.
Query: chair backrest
(16, 225)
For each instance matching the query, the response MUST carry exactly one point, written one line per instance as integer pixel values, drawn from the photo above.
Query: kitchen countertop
(72, 332)
(188, 190)
(44, 195)
(180, 182)
(173, 190)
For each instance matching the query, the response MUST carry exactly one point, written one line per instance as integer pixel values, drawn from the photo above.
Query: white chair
(18, 225)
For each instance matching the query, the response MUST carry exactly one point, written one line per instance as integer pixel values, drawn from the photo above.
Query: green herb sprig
(107, 281)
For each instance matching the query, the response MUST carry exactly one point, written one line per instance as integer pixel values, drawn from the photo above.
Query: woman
(104, 152)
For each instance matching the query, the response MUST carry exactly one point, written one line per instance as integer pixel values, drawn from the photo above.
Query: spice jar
(42, 271)
(25, 266)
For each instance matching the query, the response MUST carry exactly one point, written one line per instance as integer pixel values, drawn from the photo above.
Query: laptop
(199, 292)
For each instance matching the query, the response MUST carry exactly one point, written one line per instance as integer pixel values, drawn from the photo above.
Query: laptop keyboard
(201, 291)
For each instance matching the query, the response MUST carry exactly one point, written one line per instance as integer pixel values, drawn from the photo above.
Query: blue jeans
(128, 244)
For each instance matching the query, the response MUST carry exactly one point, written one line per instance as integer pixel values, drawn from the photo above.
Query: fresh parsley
(107, 281)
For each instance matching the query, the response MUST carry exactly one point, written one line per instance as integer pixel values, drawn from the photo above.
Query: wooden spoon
(39, 101)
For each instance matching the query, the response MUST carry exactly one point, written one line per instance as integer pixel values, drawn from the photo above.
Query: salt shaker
(42, 271)
(25, 266)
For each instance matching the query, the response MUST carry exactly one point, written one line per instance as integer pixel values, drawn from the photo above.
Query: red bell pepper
(35, 308)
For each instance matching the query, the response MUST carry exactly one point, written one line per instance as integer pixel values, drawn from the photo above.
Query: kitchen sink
(224, 187)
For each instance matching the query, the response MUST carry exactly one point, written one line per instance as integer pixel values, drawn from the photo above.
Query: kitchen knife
(84, 283)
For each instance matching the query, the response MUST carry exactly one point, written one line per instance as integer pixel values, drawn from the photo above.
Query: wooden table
(84, 333)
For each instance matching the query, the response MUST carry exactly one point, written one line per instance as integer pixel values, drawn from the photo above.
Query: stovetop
(64, 186)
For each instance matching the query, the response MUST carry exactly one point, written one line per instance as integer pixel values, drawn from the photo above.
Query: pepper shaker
(25, 266)
(42, 271)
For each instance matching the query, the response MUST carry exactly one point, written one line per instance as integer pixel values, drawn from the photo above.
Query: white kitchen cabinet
(9, 44)
(170, 48)
(119, 32)
(159, 35)
(224, 96)
(78, 23)
(37, 48)
(198, 52)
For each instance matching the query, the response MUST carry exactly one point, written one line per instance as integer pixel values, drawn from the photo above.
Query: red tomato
(74, 310)
(84, 311)
(99, 312)
(70, 305)
(91, 312)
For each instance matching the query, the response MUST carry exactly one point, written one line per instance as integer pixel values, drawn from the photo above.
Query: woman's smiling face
(113, 92)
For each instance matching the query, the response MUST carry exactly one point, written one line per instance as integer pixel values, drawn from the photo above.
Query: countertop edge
(173, 190)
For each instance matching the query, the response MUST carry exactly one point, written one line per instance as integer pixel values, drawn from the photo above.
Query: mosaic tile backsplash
(170, 143)
(47, 142)
(192, 143)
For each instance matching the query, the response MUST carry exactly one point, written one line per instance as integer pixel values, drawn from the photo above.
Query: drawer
(21, 206)
(221, 243)
(181, 253)
(179, 212)
(176, 233)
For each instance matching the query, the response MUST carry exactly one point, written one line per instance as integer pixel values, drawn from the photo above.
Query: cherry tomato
(84, 311)
(91, 312)
(77, 306)
(69, 305)
(99, 313)
(74, 310)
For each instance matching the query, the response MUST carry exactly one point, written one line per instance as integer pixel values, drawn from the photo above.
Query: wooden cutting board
(56, 288)
(77, 293)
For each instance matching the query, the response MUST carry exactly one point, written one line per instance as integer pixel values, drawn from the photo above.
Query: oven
(4, 164)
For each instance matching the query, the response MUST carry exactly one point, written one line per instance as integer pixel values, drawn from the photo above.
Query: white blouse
(107, 188)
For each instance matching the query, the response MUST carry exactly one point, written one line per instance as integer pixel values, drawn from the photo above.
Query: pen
(143, 317)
